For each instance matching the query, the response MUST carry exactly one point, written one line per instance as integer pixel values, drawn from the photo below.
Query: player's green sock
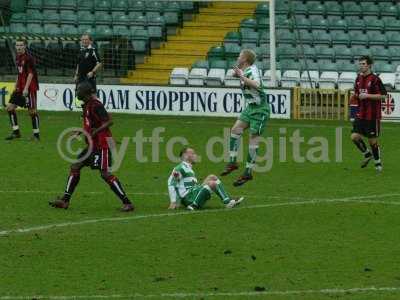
(220, 191)
(233, 147)
(202, 196)
(251, 159)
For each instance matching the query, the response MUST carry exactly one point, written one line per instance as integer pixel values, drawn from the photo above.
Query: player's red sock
(72, 182)
(14, 121)
(35, 125)
(116, 187)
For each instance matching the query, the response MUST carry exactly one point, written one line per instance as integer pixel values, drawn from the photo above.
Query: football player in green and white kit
(184, 189)
(254, 116)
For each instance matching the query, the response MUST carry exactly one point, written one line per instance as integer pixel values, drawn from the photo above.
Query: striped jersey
(252, 95)
(181, 180)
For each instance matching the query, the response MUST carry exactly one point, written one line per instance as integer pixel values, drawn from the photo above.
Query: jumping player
(254, 116)
(25, 93)
(96, 123)
(183, 187)
(370, 91)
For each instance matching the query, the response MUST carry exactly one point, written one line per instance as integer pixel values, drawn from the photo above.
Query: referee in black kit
(88, 62)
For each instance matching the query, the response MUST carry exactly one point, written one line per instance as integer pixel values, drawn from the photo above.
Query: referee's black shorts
(367, 128)
(91, 80)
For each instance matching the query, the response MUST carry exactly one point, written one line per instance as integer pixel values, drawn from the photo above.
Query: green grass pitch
(280, 244)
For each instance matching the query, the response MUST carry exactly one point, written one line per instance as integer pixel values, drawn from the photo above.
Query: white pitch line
(331, 291)
(206, 211)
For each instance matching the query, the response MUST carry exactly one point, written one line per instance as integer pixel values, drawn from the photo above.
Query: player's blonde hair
(250, 56)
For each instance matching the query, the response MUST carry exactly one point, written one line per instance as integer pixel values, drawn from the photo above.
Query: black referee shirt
(88, 58)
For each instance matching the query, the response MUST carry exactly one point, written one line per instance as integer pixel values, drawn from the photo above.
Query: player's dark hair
(183, 151)
(367, 58)
(89, 36)
(21, 40)
(84, 89)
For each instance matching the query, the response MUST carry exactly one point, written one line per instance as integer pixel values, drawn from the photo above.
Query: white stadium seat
(230, 80)
(290, 78)
(305, 80)
(388, 78)
(215, 77)
(328, 80)
(346, 80)
(197, 76)
(179, 76)
(267, 77)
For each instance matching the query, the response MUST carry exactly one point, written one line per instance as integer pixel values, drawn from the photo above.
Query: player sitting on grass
(183, 187)
(96, 124)
(254, 116)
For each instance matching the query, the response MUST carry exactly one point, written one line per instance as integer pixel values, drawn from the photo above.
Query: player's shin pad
(220, 191)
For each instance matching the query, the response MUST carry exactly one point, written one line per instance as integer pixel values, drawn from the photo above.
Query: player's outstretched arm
(105, 125)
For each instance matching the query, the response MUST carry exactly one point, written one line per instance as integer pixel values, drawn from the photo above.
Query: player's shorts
(91, 81)
(367, 128)
(27, 102)
(256, 116)
(99, 159)
(194, 194)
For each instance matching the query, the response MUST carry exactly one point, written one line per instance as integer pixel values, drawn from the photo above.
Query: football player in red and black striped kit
(25, 93)
(96, 125)
(369, 91)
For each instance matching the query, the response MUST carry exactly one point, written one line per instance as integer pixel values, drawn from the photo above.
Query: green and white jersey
(181, 180)
(252, 95)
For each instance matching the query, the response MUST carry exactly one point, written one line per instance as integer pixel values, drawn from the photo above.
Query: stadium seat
(171, 6)
(35, 29)
(333, 8)
(51, 16)
(369, 9)
(141, 34)
(340, 38)
(262, 24)
(103, 30)
(197, 76)
(218, 64)
(51, 4)
(376, 38)
(230, 80)
(102, 18)
(393, 39)
(282, 22)
(358, 38)
(250, 37)
(86, 17)
(326, 65)
(347, 66)
(232, 38)
(155, 33)
(308, 65)
(216, 53)
(262, 9)
(34, 17)
(120, 18)
(119, 5)
(287, 53)
(179, 76)
(318, 22)
(232, 51)
(171, 18)
(102, 5)
(307, 51)
(267, 77)
(139, 21)
(315, 8)
(383, 67)
(68, 17)
(35, 4)
(249, 23)
(155, 6)
(86, 28)
(155, 21)
(121, 30)
(374, 24)
(300, 9)
(387, 9)
(391, 24)
(302, 23)
(306, 37)
(52, 29)
(68, 4)
(290, 78)
(215, 77)
(359, 51)
(140, 46)
(17, 28)
(346, 80)
(388, 79)
(351, 8)
(282, 7)
(337, 24)
(69, 30)
(85, 5)
(328, 80)
(137, 6)
(305, 79)
(355, 23)
(289, 64)
(18, 18)
(343, 52)
(133, 15)
(321, 37)
(324, 52)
